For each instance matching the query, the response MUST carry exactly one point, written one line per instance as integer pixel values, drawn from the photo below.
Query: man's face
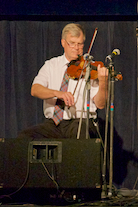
(73, 46)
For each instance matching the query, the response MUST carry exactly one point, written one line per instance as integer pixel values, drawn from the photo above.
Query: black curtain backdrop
(24, 47)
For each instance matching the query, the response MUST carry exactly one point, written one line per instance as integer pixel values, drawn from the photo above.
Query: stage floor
(25, 199)
(115, 202)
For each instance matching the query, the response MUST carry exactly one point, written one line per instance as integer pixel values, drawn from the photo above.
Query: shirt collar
(65, 61)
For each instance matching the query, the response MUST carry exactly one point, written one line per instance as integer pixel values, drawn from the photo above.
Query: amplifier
(50, 163)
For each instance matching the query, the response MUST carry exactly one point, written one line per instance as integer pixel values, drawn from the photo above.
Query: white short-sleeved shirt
(51, 75)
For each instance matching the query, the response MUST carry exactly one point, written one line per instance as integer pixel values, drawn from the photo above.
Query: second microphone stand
(110, 105)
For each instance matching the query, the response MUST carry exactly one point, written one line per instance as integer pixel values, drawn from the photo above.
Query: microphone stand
(112, 81)
(110, 102)
(104, 189)
(86, 89)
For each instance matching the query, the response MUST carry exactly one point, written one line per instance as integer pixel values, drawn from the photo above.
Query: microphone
(87, 57)
(114, 53)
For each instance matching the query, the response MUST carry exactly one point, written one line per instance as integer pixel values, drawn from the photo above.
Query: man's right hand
(67, 97)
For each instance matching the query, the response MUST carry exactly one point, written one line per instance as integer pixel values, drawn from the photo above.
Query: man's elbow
(33, 90)
(101, 107)
(100, 103)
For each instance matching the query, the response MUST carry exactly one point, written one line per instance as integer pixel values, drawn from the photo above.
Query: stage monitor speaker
(50, 163)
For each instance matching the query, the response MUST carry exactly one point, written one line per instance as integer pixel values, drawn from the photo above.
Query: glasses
(73, 44)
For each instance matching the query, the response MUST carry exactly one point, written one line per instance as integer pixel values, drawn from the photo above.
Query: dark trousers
(66, 129)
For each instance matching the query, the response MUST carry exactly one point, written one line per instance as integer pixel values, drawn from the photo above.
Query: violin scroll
(119, 76)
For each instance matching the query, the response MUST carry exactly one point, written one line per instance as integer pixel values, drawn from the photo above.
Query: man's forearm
(42, 92)
(101, 97)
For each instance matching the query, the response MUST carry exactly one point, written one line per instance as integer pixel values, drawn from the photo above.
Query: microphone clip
(88, 57)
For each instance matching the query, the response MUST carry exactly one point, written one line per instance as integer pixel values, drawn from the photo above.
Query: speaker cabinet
(50, 163)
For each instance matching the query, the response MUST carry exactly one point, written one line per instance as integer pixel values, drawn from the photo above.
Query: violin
(78, 67)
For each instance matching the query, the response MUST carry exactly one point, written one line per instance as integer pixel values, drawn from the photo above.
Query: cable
(135, 183)
(98, 132)
(27, 174)
(51, 177)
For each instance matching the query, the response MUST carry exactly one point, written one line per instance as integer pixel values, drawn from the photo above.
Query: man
(47, 83)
